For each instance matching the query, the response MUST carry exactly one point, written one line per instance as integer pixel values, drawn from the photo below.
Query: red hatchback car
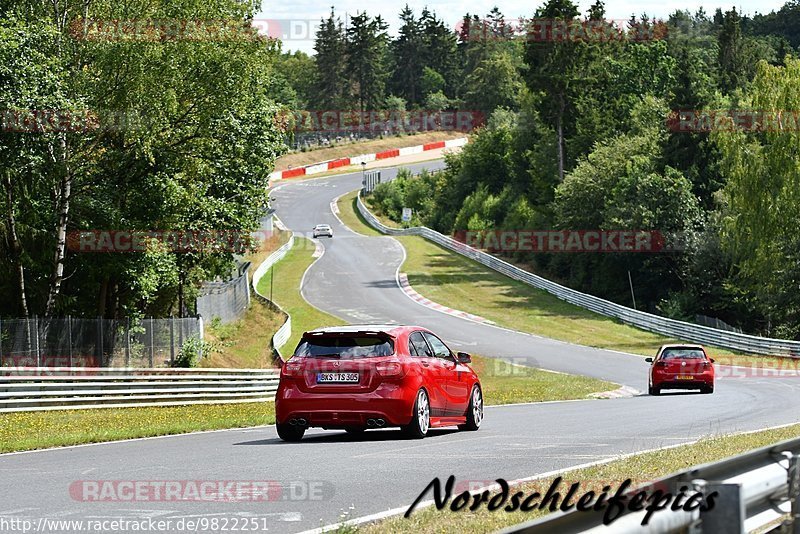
(681, 367)
(373, 376)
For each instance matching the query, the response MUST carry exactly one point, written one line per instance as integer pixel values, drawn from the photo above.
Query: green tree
(554, 69)
(432, 82)
(193, 153)
(494, 83)
(367, 54)
(732, 55)
(624, 181)
(299, 70)
(439, 51)
(761, 196)
(407, 60)
(330, 88)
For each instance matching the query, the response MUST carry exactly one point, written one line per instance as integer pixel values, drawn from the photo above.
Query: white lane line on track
(335, 211)
(118, 441)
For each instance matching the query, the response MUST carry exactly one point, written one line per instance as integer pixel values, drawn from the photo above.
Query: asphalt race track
(356, 279)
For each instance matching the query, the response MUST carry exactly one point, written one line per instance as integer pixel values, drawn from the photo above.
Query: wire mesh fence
(225, 300)
(713, 322)
(81, 342)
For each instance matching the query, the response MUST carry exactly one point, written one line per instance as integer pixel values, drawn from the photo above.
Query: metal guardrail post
(69, 339)
(152, 343)
(794, 493)
(127, 342)
(36, 341)
(171, 340)
(100, 341)
(729, 512)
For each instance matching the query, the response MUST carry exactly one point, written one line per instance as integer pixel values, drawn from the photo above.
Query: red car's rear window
(344, 347)
(682, 354)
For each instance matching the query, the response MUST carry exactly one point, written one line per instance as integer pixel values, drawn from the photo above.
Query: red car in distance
(373, 376)
(681, 367)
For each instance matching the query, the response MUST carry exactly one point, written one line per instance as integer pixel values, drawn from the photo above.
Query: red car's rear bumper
(670, 381)
(390, 402)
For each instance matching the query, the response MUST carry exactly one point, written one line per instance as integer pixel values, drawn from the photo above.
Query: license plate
(334, 378)
(685, 377)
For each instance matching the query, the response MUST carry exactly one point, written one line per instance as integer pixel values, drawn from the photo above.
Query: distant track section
(330, 165)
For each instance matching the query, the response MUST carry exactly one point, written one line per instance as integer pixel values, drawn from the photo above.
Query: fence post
(172, 340)
(247, 285)
(794, 492)
(127, 342)
(36, 341)
(152, 343)
(180, 331)
(200, 328)
(69, 339)
(728, 514)
(100, 339)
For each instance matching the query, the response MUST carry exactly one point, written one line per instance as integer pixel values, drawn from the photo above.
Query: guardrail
(755, 490)
(25, 389)
(285, 331)
(646, 321)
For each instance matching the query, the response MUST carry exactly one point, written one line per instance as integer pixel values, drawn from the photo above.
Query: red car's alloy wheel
(421, 421)
(474, 411)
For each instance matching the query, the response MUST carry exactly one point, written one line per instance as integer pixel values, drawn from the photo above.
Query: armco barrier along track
(285, 331)
(25, 389)
(643, 320)
(755, 490)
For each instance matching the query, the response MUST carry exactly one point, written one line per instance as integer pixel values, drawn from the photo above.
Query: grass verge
(245, 343)
(505, 383)
(343, 150)
(458, 282)
(37, 430)
(640, 468)
(288, 274)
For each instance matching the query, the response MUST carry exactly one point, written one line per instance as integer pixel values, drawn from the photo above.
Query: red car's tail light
(291, 368)
(389, 369)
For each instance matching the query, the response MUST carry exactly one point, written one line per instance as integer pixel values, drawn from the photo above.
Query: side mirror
(649, 360)
(463, 357)
(711, 360)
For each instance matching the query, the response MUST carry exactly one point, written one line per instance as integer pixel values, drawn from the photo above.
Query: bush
(192, 350)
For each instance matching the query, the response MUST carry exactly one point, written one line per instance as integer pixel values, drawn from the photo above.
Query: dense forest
(581, 135)
(107, 126)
